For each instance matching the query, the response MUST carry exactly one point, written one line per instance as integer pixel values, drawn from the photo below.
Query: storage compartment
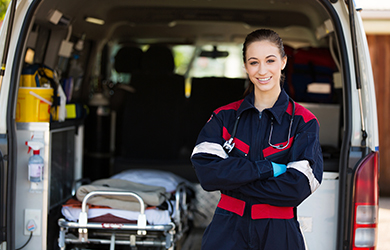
(34, 104)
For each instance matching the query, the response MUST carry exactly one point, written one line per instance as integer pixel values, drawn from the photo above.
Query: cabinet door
(62, 165)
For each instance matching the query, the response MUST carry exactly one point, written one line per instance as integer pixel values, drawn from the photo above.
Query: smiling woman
(248, 176)
(264, 60)
(152, 73)
(264, 67)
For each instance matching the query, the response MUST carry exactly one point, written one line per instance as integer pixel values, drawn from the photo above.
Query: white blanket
(151, 195)
(153, 216)
(152, 177)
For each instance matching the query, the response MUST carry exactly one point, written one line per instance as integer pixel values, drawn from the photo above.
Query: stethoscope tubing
(229, 144)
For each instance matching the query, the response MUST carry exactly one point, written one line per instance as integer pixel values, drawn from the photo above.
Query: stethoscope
(229, 145)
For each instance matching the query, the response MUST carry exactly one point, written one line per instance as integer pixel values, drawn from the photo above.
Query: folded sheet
(152, 177)
(151, 195)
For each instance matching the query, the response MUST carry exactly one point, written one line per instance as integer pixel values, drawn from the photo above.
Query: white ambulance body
(206, 37)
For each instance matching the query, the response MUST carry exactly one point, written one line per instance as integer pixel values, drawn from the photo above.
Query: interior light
(94, 20)
(29, 58)
(172, 24)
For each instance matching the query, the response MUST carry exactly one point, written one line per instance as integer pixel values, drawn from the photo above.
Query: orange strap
(258, 211)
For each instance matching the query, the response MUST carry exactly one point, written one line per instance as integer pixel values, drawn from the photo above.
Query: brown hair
(261, 35)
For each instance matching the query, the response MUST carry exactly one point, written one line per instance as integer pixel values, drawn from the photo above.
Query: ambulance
(96, 88)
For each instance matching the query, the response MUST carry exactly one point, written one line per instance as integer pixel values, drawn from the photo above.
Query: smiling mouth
(265, 79)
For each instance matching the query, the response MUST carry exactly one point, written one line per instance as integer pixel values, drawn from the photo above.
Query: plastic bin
(34, 104)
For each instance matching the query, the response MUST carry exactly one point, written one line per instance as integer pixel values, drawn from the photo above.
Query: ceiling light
(29, 58)
(94, 20)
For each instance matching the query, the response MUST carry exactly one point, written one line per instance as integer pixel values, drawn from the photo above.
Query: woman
(263, 154)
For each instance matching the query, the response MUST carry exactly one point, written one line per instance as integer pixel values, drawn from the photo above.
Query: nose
(262, 70)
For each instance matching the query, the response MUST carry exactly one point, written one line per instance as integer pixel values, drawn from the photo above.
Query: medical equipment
(35, 162)
(136, 231)
(229, 144)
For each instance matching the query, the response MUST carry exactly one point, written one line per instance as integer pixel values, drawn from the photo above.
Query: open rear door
(363, 162)
(6, 228)
(15, 25)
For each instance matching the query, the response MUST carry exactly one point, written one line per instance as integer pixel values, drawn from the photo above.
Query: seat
(128, 60)
(208, 94)
(152, 119)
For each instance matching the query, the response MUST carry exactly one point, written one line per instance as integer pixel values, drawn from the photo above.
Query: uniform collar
(277, 110)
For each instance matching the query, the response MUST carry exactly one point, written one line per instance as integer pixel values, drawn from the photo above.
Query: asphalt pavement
(383, 229)
(384, 224)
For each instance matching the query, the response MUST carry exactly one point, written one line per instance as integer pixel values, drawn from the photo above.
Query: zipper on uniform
(259, 139)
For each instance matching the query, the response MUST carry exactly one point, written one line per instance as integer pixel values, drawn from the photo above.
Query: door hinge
(3, 158)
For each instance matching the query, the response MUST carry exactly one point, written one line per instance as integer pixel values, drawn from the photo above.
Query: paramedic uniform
(257, 210)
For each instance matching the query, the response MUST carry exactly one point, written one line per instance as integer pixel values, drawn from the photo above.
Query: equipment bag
(309, 75)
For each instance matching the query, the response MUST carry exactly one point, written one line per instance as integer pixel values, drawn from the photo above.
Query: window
(209, 61)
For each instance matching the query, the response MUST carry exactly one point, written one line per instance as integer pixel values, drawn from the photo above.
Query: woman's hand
(278, 168)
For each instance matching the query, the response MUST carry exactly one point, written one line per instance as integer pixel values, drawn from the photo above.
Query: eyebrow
(265, 57)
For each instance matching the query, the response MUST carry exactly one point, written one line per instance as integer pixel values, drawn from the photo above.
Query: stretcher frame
(133, 235)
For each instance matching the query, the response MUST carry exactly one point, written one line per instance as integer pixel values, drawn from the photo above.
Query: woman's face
(264, 65)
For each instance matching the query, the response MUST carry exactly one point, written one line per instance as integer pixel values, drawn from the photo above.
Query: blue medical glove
(278, 168)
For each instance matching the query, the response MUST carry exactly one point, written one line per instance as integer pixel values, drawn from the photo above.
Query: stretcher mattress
(101, 211)
(154, 216)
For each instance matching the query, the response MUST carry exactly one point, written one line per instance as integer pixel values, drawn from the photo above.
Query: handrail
(141, 222)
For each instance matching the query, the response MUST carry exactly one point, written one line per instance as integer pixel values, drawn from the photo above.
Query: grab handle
(141, 223)
(40, 98)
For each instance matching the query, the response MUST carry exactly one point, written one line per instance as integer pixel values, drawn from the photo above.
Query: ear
(284, 62)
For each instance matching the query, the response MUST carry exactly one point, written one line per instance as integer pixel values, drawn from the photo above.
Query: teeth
(265, 79)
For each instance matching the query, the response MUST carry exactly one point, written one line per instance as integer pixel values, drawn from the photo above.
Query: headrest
(128, 59)
(158, 58)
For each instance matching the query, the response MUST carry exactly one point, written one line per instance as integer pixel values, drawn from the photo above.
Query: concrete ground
(383, 229)
(384, 224)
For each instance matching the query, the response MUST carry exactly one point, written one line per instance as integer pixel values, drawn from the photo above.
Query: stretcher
(138, 233)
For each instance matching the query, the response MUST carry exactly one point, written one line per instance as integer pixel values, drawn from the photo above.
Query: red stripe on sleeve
(241, 145)
(225, 134)
(301, 111)
(238, 143)
(271, 150)
(233, 106)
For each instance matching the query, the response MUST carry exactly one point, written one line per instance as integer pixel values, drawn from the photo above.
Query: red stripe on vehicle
(271, 150)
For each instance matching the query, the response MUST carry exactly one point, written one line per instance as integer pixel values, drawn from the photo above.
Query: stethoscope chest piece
(229, 145)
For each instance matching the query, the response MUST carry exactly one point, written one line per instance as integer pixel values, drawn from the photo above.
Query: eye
(270, 61)
(253, 63)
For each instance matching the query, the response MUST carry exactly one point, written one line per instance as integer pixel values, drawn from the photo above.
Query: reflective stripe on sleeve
(304, 168)
(210, 148)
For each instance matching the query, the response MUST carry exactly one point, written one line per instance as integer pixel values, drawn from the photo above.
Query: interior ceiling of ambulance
(181, 21)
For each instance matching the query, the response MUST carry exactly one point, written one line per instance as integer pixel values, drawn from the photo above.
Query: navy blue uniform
(257, 210)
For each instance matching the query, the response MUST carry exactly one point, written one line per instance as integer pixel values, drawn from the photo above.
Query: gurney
(134, 229)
